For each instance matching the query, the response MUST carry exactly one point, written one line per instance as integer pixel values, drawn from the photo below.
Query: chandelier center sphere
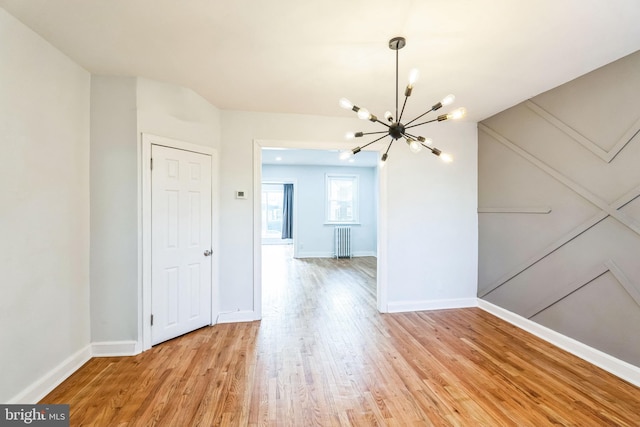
(396, 130)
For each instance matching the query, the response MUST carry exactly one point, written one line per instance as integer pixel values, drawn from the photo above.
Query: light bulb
(388, 116)
(363, 114)
(413, 76)
(383, 160)
(414, 145)
(345, 103)
(349, 135)
(448, 100)
(457, 114)
(427, 141)
(446, 157)
(344, 155)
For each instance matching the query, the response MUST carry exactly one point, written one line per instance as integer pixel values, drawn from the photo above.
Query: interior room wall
(44, 220)
(122, 109)
(114, 221)
(433, 222)
(173, 111)
(432, 209)
(315, 238)
(559, 209)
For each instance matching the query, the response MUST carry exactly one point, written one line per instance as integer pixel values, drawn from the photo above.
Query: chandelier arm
(404, 104)
(434, 150)
(389, 146)
(421, 115)
(375, 140)
(374, 133)
(410, 135)
(382, 123)
(423, 123)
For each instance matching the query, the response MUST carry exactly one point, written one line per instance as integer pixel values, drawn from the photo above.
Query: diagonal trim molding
(591, 275)
(607, 156)
(627, 284)
(583, 192)
(540, 255)
(622, 201)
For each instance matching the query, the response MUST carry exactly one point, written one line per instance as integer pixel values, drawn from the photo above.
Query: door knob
(208, 252)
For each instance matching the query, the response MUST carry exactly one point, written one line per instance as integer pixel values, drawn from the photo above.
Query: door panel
(180, 235)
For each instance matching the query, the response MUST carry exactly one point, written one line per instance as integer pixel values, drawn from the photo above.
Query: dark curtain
(287, 212)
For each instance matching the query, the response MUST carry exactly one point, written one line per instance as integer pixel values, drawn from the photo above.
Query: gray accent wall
(559, 212)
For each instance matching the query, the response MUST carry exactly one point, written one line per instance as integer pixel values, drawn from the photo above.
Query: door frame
(382, 232)
(144, 225)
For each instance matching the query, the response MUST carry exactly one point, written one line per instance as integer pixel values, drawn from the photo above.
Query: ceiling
(293, 56)
(282, 156)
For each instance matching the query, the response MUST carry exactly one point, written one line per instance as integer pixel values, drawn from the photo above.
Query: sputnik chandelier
(395, 128)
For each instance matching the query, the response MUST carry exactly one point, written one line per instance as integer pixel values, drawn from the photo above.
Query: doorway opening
(377, 208)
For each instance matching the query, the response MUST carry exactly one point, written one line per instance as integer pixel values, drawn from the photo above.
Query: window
(272, 195)
(342, 198)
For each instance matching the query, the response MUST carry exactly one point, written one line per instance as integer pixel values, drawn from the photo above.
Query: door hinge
(152, 320)
(152, 164)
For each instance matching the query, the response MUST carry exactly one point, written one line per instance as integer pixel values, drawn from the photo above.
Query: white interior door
(180, 242)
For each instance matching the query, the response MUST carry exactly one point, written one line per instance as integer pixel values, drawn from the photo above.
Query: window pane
(272, 197)
(342, 193)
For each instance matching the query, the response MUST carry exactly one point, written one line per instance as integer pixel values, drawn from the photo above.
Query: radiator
(342, 242)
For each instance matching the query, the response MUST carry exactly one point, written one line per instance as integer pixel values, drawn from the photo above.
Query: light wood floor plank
(322, 355)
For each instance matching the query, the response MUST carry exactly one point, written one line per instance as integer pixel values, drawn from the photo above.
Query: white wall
(122, 109)
(433, 222)
(114, 216)
(44, 218)
(432, 208)
(312, 236)
(176, 112)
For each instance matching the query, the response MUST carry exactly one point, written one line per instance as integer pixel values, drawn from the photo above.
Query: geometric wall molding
(562, 292)
(556, 268)
(631, 288)
(572, 234)
(541, 254)
(516, 210)
(607, 156)
(578, 189)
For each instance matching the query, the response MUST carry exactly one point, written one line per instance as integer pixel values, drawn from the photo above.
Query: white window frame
(329, 177)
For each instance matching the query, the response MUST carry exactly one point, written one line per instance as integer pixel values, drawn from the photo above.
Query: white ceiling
(277, 156)
(296, 56)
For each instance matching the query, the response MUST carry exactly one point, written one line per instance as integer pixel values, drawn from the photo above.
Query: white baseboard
(331, 255)
(364, 253)
(236, 316)
(39, 389)
(438, 304)
(114, 348)
(617, 367)
(302, 254)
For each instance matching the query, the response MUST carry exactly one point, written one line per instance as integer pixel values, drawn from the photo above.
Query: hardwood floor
(323, 355)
